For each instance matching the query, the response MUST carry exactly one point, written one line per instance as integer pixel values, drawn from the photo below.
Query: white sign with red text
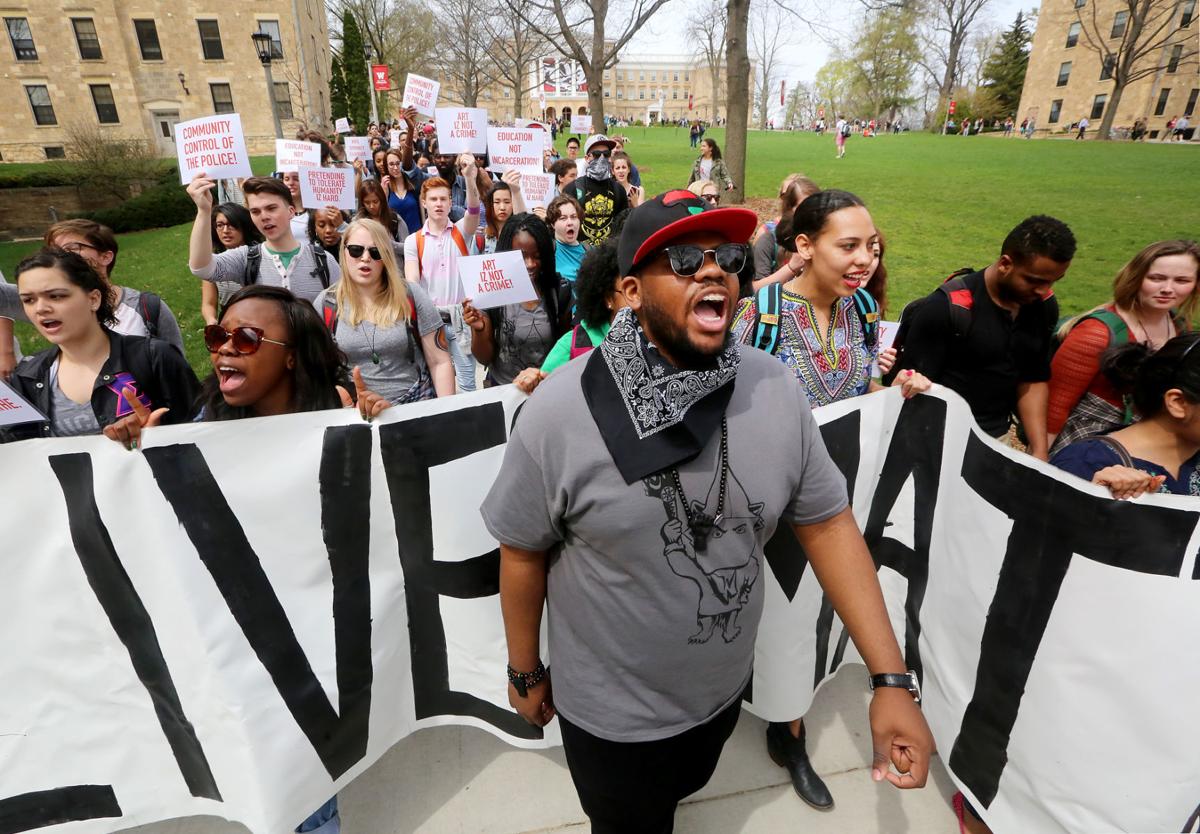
(515, 149)
(342, 125)
(581, 124)
(321, 187)
(14, 410)
(462, 130)
(537, 189)
(542, 126)
(496, 280)
(292, 155)
(358, 147)
(420, 93)
(214, 145)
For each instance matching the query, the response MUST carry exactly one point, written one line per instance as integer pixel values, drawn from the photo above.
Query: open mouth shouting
(231, 378)
(50, 327)
(711, 311)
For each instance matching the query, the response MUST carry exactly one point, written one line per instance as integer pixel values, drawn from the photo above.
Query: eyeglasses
(76, 248)
(356, 251)
(687, 258)
(221, 225)
(600, 154)
(246, 340)
(712, 198)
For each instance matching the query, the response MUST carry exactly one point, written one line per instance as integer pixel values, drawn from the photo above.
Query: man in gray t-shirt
(640, 475)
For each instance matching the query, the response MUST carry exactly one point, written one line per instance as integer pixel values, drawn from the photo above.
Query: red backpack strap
(420, 252)
(459, 240)
(480, 241)
(329, 312)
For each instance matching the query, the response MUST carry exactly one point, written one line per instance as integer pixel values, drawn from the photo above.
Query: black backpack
(961, 301)
(150, 307)
(254, 261)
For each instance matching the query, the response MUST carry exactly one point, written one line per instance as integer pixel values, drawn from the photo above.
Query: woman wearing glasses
(707, 191)
(710, 166)
(88, 379)
(827, 334)
(231, 227)
(386, 326)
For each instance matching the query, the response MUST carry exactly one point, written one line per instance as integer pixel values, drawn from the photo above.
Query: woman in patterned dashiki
(831, 347)
(512, 338)
(1160, 452)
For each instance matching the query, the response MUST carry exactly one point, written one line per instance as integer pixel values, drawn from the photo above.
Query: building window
(674, 94)
(1073, 34)
(39, 100)
(1098, 105)
(1189, 14)
(222, 98)
(87, 39)
(283, 100)
(1064, 74)
(607, 74)
(106, 107)
(1106, 69)
(687, 75)
(55, 152)
(1119, 24)
(508, 93)
(676, 77)
(1055, 110)
(1191, 105)
(1079, 4)
(620, 93)
(147, 36)
(641, 94)
(210, 40)
(22, 38)
(620, 75)
(1176, 56)
(271, 27)
(1163, 95)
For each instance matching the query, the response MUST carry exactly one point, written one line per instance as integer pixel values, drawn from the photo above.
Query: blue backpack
(768, 303)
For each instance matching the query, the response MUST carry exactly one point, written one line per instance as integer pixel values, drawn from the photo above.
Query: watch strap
(903, 680)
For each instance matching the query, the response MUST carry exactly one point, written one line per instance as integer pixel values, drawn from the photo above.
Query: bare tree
(465, 57)
(706, 27)
(945, 40)
(594, 53)
(513, 45)
(1148, 40)
(766, 41)
(737, 84)
(402, 33)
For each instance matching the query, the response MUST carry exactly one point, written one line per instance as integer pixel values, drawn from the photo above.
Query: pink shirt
(439, 266)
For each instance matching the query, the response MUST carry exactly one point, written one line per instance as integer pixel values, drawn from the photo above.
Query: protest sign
(537, 189)
(394, 138)
(358, 147)
(342, 125)
(462, 130)
(14, 410)
(420, 93)
(321, 187)
(542, 126)
(515, 149)
(214, 145)
(581, 124)
(887, 337)
(495, 280)
(292, 155)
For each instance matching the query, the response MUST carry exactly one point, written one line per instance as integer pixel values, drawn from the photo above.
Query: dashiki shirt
(832, 366)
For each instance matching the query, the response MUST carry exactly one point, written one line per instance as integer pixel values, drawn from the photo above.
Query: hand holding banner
(321, 187)
(515, 149)
(420, 93)
(214, 145)
(291, 155)
(462, 130)
(496, 280)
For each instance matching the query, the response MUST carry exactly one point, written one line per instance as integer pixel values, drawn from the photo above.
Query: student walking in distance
(657, 509)
(281, 261)
(1083, 126)
(840, 132)
(710, 166)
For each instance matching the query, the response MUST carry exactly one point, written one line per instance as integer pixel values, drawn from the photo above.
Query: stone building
(1067, 80)
(134, 68)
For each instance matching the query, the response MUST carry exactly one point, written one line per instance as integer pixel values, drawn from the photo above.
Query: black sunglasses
(356, 251)
(605, 154)
(246, 340)
(712, 198)
(687, 258)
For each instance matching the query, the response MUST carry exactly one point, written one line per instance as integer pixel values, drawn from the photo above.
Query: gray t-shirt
(71, 419)
(301, 277)
(522, 341)
(647, 638)
(395, 375)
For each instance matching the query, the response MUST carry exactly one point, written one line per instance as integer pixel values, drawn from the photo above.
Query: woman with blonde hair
(706, 190)
(1154, 298)
(771, 256)
(385, 325)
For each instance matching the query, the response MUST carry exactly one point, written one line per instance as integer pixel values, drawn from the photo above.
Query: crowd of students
(309, 308)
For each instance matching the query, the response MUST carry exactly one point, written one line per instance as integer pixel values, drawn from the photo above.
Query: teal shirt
(567, 258)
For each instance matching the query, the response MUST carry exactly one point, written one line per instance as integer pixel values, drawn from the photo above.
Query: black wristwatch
(908, 681)
(521, 681)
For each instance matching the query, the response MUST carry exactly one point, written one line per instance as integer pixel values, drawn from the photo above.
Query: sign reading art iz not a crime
(178, 644)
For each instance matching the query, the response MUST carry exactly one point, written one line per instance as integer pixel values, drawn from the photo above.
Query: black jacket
(159, 371)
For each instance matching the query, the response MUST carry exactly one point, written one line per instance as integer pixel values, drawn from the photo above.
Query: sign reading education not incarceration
(496, 280)
(515, 149)
(214, 145)
(292, 155)
(420, 93)
(321, 187)
(462, 130)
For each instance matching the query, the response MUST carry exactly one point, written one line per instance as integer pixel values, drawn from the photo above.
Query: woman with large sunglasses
(831, 347)
(386, 326)
(89, 379)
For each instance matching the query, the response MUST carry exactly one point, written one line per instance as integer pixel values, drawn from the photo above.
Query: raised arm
(200, 242)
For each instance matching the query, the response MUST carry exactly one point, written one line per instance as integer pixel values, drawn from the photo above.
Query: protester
(565, 173)
(622, 168)
(1160, 452)
(707, 191)
(431, 259)
(231, 227)
(771, 258)
(573, 155)
(501, 202)
(601, 197)
(400, 190)
(325, 229)
(1154, 298)
(373, 204)
(280, 261)
(987, 335)
(840, 132)
(619, 143)
(562, 215)
(515, 337)
(85, 382)
(386, 326)
(607, 473)
(710, 166)
(300, 218)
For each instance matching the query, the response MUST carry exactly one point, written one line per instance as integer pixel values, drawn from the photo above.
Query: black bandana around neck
(651, 414)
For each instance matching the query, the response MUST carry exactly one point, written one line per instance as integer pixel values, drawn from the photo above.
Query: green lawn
(942, 202)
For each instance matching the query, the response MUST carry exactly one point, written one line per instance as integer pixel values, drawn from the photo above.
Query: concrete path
(465, 781)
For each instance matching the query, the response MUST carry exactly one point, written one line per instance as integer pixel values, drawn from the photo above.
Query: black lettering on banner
(40, 809)
(339, 738)
(129, 618)
(410, 449)
(1052, 522)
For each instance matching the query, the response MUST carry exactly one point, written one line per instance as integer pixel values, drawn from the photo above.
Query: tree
(884, 60)
(945, 40)
(1004, 70)
(737, 84)
(834, 87)
(465, 61)
(354, 71)
(1148, 42)
(801, 108)
(402, 34)
(339, 102)
(513, 46)
(706, 27)
(766, 41)
(596, 52)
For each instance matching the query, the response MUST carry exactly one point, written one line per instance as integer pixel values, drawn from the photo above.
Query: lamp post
(262, 45)
(368, 56)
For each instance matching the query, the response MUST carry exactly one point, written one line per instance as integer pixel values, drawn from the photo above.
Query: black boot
(787, 751)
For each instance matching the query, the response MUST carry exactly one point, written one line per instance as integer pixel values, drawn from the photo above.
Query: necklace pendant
(375, 358)
(701, 526)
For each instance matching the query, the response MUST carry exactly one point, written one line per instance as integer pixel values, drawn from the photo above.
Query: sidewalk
(465, 781)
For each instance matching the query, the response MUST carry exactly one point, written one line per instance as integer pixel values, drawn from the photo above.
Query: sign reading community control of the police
(496, 280)
(214, 145)
(420, 93)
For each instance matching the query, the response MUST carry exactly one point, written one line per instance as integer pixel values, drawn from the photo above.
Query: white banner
(291, 155)
(515, 148)
(420, 93)
(321, 187)
(581, 124)
(496, 280)
(342, 125)
(537, 189)
(358, 147)
(223, 622)
(214, 145)
(14, 410)
(462, 130)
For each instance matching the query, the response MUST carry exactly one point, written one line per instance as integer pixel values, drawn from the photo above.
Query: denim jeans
(324, 820)
(458, 340)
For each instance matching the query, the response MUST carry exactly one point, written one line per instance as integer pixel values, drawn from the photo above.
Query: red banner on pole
(691, 101)
(379, 75)
(782, 90)
(952, 104)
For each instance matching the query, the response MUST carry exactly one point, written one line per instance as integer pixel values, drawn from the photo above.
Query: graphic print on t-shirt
(723, 569)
